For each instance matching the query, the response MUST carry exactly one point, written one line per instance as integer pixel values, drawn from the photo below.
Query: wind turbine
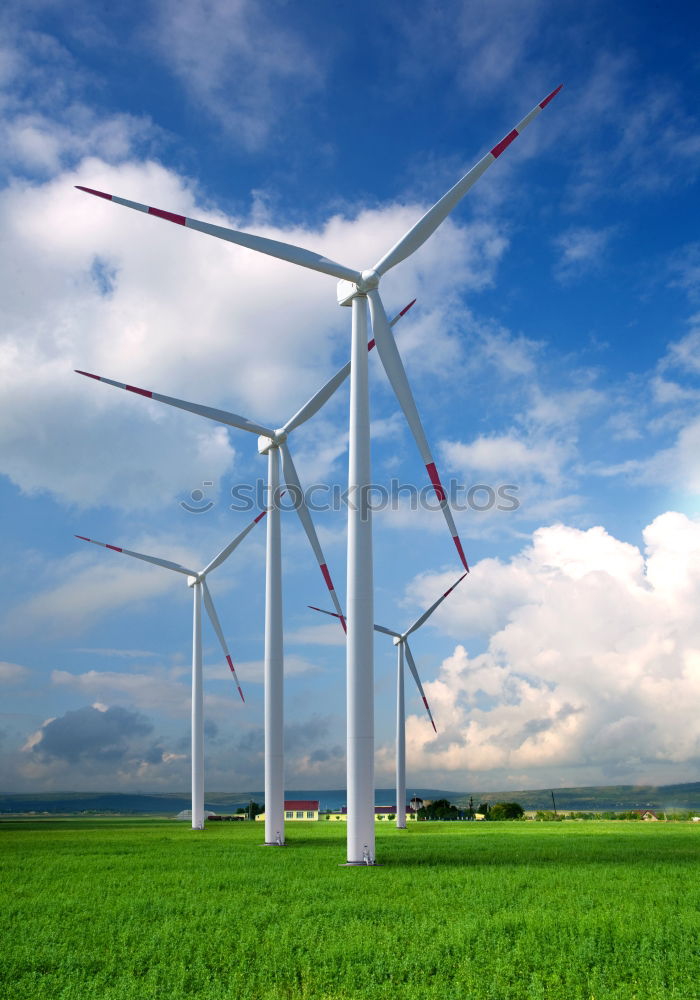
(272, 442)
(360, 289)
(197, 580)
(403, 649)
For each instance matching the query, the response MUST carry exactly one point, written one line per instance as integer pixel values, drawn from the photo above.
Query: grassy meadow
(146, 908)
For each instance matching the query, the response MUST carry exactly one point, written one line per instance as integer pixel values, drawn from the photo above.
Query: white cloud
(161, 689)
(148, 304)
(582, 250)
(592, 663)
(684, 354)
(317, 635)
(633, 139)
(86, 590)
(676, 467)
(74, 592)
(13, 673)
(484, 44)
(685, 266)
(506, 455)
(237, 62)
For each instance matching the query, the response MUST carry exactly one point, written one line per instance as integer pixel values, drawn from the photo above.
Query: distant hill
(613, 798)
(107, 802)
(598, 798)
(170, 803)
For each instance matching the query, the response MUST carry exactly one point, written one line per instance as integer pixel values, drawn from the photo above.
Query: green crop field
(122, 908)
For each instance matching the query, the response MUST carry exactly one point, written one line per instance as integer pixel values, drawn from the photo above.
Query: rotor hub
(348, 290)
(370, 280)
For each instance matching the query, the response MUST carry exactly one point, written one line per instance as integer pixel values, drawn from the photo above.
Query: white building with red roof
(297, 809)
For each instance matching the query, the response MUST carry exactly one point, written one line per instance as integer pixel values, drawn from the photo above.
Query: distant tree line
(500, 811)
(443, 809)
(252, 810)
(549, 815)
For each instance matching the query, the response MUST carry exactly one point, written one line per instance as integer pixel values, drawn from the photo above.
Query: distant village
(308, 810)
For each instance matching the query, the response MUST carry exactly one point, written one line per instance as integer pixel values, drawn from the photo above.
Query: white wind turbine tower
(359, 289)
(402, 648)
(272, 442)
(197, 580)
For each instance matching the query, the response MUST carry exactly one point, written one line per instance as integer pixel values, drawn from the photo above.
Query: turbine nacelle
(265, 442)
(192, 580)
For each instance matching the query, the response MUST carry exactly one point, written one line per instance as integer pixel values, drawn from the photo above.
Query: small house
(297, 809)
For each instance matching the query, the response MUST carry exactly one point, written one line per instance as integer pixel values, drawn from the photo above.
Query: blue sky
(554, 347)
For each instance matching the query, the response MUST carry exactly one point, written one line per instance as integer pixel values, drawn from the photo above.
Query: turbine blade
(317, 401)
(377, 628)
(221, 416)
(426, 226)
(387, 631)
(426, 614)
(273, 248)
(292, 481)
(393, 365)
(414, 671)
(225, 553)
(331, 613)
(165, 563)
(214, 619)
(323, 395)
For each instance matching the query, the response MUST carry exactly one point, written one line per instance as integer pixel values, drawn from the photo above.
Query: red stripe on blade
(371, 344)
(259, 517)
(99, 194)
(87, 374)
(114, 547)
(241, 693)
(430, 715)
(448, 592)
(83, 538)
(462, 556)
(168, 216)
(504, 143)
(230, 663)
(141, 392)
(435, 480)
(406, 308)
(551, 97)
(343, 623)
(332, 613)
(327, 577)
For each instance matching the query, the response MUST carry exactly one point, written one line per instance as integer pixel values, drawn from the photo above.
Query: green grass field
(146, 908)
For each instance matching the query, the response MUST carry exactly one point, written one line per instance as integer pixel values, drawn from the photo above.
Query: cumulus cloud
(99, 746)
(94, 733)
(149, 304)
(591, 662)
